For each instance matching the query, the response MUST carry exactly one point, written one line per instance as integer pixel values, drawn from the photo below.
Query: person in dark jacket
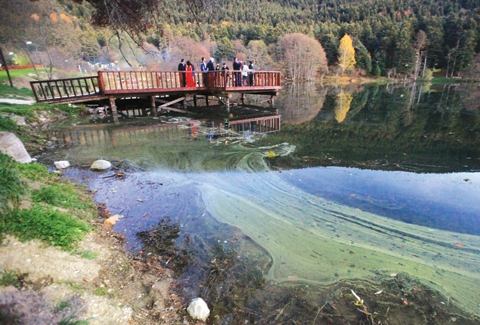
(182, 67)
(211, 67)
(204, 69)
(251, 67)
(237, 74)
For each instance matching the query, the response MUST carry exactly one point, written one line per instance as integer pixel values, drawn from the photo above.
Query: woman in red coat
(190, 74)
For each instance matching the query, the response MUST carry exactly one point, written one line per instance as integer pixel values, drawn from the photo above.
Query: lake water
(275, 214)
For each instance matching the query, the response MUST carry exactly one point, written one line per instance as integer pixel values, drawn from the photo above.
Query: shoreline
(98, 282)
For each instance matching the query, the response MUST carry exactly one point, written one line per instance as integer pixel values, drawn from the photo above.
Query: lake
(274, 216)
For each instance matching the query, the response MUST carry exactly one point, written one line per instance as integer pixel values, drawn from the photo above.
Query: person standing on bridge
(204, 69)
(245, 70)
(181, 68)
(251, 67)
(190, 76)
(236, 72)
(211, 67)
(225, 69)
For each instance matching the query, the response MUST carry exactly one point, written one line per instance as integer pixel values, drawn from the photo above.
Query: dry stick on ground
(319, 310)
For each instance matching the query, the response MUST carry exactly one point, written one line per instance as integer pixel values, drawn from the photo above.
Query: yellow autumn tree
(342, 105)
(346, 54)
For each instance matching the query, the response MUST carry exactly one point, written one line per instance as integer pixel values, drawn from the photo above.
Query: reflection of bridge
(113, 136)
(111, 85)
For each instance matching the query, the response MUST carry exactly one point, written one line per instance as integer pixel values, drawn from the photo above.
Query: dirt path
(99, 283)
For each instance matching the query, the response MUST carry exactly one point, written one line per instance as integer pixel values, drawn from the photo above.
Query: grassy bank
(34, 203)
(38, 204)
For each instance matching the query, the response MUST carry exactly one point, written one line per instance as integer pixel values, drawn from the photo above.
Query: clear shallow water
(338, 193)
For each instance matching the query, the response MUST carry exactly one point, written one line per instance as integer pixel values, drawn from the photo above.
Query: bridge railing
(120, 82)
(71, 88)
(131, 82)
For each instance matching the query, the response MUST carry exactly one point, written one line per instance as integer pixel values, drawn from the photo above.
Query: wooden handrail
(58, 89)
(151, 82)
(115, 82)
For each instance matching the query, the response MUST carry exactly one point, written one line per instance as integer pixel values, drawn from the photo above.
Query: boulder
(101, 165)
(61, 164)
(198, 309)
(13, 147)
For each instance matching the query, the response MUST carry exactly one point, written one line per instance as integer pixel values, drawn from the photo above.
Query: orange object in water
(459, 244)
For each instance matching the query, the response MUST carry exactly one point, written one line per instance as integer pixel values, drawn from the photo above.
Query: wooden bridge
(164, 87)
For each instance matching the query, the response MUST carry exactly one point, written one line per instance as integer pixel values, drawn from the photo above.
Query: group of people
(242, 73)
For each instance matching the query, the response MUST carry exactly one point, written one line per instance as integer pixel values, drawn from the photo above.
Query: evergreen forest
(394, 38)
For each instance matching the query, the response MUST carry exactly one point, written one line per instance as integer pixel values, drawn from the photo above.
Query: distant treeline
(386, 31)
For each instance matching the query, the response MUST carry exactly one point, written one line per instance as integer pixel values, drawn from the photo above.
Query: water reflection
(394, 128)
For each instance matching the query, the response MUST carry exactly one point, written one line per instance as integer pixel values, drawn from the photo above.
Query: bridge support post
(272, 100)
(206, 101)
(153, 105)
(113, 107)
(195, 101)
(243, 99)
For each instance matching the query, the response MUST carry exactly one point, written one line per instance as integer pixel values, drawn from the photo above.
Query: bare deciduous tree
(303, 56)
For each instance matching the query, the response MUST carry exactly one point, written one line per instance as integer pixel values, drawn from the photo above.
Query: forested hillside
(390, 37)
(386, 28)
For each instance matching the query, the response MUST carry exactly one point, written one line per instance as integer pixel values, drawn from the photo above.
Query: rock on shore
(13, 147)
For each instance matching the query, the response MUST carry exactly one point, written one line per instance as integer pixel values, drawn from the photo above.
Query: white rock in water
(198, 309)
(101, 165)
(61, 164)
(13, 147)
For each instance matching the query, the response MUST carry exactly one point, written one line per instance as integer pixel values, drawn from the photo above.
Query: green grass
(36, 172)
(60, 195)
(8, 125)
(22, 93)
(446, 81)
(12, 185)
(43, 221)
(15, 73)
(50, 226)
(11, 278)
(100, 291)
(85, 254)
(70, 320)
